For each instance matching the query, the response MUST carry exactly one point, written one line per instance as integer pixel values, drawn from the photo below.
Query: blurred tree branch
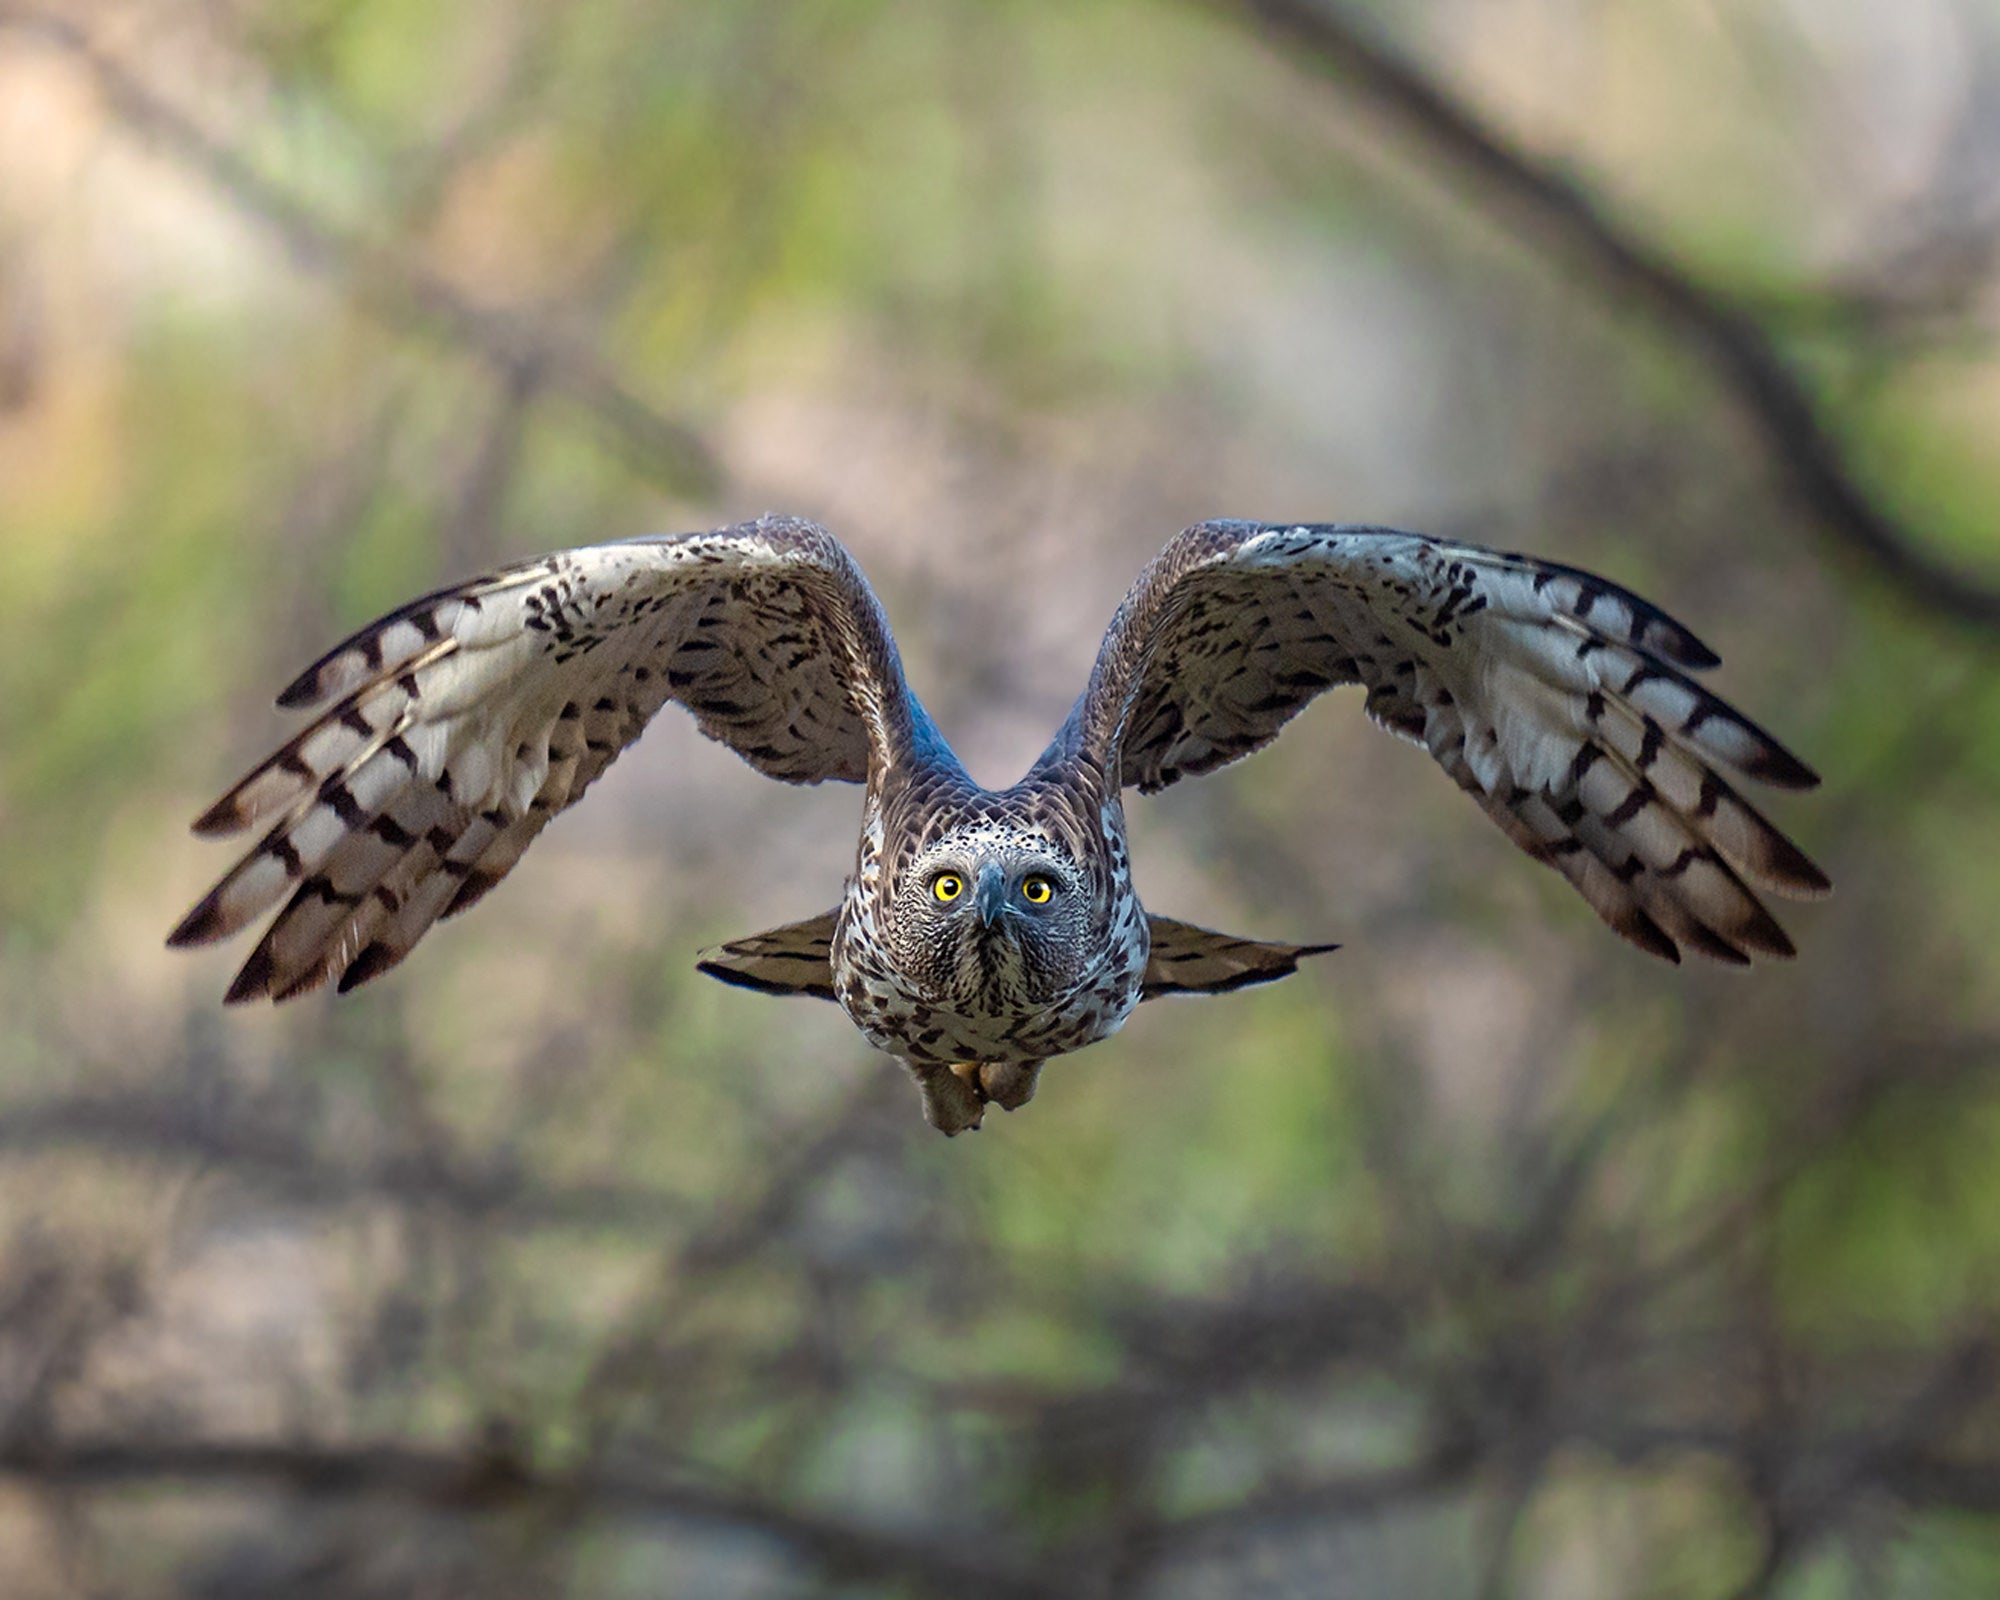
(400, 290)
(492, 1478)
(1806, 1474)
(278, 1157)
(1567, 220)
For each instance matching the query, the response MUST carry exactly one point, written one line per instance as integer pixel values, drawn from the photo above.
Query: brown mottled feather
(448, 733)
(1184, 959)
(1561, 702)
(794, 959)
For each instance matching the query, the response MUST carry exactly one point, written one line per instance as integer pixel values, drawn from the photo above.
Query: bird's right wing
(447, 733)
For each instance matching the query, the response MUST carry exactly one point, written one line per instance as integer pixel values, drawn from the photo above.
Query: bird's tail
(794, 959)
(1191, 960)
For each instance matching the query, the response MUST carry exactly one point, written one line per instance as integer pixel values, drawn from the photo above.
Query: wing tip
(1649, 936)
(1764, 935)
(202, 925)
(314, 977)
(1653, 628)
(375, 959)
(220, 820)
(303, 691)
(1797, 875)
(1778, 767)
(1694, 652)
(1705, 941)
(254, 981)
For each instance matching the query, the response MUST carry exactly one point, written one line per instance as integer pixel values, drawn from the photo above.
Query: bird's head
(989, 918)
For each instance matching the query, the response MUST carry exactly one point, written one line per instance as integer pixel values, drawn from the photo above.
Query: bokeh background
(1486, 1258)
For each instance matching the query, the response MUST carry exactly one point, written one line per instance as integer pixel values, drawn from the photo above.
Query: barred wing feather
(1562, 703)
(447, 734)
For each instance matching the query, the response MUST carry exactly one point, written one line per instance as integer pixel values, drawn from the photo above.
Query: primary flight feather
(983, 931)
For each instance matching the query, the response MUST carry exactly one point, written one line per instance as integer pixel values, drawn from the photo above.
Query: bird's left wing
(1561, 702)
(446, 734)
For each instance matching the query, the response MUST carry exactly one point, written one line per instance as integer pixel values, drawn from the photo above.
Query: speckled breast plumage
(998, 1012)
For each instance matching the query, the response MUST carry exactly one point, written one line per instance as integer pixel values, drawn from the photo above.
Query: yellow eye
(948, 886)
(1037, 891)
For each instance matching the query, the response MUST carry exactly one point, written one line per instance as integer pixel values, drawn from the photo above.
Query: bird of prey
(984, 931)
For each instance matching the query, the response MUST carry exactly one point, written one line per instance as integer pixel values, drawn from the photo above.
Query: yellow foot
(956, 1096)
(952, 1102)
(1008, 1084)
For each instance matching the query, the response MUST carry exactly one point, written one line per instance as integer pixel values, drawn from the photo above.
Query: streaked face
(990, 921)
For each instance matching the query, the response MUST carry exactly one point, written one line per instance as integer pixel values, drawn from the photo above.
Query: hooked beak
(990, 894)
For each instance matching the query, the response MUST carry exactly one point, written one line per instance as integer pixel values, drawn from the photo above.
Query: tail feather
(1191, 960)
(794, 959)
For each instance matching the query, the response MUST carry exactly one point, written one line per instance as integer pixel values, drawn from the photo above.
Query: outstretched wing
(449, 732)
(1559, 701)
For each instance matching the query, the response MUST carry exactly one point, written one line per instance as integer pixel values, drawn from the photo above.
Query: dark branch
(490, 1481)
(1444, 1471)
(1736, 347)
(283, 1162)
